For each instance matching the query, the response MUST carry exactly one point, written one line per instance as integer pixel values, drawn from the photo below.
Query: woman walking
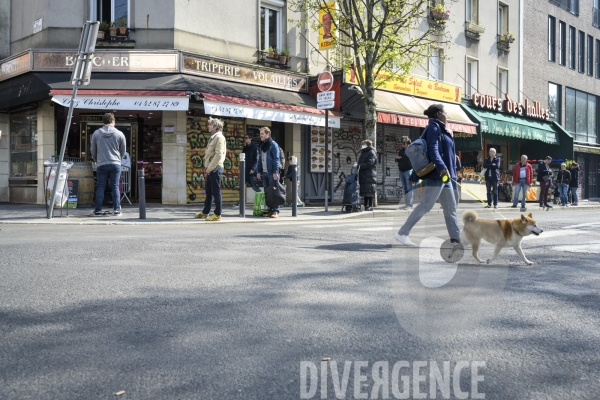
(367, 173)
(440, 151)
(574, 184)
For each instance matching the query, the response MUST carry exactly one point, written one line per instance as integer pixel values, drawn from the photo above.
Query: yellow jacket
(215, 152)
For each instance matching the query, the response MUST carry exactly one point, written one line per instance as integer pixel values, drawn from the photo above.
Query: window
(597, 59)
(502, 82)
(436, 64)
(581, 53)
(569, 5)
(472, 72)
(596, 14)
(562, 43)
(502, 19)
(270, 23)
(551, 38)
(110, 11)
(590, 55)
(581, 116)
(572, 47)
(473, 11)
(554, 101)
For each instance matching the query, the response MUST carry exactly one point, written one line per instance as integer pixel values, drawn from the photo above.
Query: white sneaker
(404, 239)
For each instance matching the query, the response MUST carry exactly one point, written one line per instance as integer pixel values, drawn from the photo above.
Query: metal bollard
(242, 185)
(142, 193)
(294, 165)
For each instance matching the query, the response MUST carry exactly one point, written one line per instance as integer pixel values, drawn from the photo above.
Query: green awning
(517, 127)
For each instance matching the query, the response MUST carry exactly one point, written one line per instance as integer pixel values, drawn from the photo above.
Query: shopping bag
(275, 194)
(260, 207)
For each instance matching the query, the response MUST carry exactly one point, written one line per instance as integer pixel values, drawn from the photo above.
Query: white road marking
(593, 248)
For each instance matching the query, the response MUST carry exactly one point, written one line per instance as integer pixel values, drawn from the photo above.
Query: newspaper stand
(62, 189)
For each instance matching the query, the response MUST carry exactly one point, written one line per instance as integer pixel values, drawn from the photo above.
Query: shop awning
(124, 99)
(399, 109)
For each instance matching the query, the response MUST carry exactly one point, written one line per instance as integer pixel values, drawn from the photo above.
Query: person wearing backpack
(441, 152)
(268, 164)
(405, 168)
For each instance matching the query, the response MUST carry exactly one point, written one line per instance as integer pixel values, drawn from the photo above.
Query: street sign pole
(81, 74)
(326, 159)
(325, 101)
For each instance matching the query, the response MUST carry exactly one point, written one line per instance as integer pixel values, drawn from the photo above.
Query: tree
(379, 39)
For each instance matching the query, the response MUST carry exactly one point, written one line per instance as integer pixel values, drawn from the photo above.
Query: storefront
(161, 101)
(513, 129)
(588, 158)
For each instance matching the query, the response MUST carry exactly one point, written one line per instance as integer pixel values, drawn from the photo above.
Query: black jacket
(404, 162)
(574, 177)
(367, 175)
(563, 177)
(493, 173)
(251, 152)
(543, 170)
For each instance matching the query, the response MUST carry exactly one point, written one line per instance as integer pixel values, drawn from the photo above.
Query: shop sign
(531, 109)
(15, 66)
(268, 114)
(521, 131)
(318, 149)
(327, 28)
(125, 103)
(113, 61)
(586, 149)
(415, 86)
(245, 74)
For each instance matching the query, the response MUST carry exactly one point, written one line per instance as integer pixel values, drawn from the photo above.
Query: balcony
(596, 17)
(473, 31)
(504, 41)
(569, 5)
(437, 18)
(268, 59)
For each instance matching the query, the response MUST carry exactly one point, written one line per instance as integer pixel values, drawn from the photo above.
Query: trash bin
(62, 190)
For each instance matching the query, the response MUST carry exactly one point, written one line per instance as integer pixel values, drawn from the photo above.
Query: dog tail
(469, 216)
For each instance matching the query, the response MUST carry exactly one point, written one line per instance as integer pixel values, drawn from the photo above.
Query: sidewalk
(11, 213)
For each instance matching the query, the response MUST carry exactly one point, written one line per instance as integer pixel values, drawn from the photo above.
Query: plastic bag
(260, 206)
(62, 190)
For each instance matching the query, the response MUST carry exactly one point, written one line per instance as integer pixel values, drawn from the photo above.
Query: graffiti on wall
(346, 146)
(198, 137)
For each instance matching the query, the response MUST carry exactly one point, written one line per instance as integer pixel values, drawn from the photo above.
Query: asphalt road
(295, 310)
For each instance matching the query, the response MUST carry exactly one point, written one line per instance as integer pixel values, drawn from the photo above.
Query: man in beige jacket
(213, 162)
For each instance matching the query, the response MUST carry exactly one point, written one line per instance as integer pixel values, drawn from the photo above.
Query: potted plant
(439, 14)
(102, 29)
(275, 52)
(507, 37)
(271, 52)
(112, 30)
(283, 57)
(122, 24)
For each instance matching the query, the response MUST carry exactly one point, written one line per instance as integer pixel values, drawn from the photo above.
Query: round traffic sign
(325, 81)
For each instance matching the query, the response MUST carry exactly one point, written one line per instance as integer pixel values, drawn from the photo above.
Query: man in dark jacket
(251, 152)
(574, 184)
(492, 176)
(367, 173)
(563, 179)
(544, 177)
(405, 167)
(268, 164)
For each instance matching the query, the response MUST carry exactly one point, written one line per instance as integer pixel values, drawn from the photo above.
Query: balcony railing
(569, 5)
(473, 31)
(596, 17)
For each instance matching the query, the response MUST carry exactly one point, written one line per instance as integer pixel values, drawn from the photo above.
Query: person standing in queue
(213, 160)
(268, 164)
(522, 179)
(563, 179)
(492, 176)
(250, 150)
(440, 151)
(405, 169)
(574, 184)
(544, 177)
(367, 173)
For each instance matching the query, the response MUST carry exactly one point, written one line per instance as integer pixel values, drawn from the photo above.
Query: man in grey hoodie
(108, 148)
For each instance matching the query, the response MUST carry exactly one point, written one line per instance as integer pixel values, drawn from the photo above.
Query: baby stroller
(351, 201)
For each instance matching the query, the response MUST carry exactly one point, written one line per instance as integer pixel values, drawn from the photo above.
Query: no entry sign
(325, 81)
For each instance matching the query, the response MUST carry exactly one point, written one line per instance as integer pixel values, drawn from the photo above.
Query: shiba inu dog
(500, 233)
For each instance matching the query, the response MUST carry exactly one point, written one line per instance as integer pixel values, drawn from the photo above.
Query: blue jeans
(103, 173)
(489, 185)
(433, 190)
(521, 185)
(575, 197)
(407, 186)
(213, 190)
(267, 180)
(562, 190)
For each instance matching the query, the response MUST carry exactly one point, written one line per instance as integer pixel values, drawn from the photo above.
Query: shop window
(554, 102)
(472, 72)
(572, 47)
(23, 144)
(271, 12)
(502, 19)
(562, 43)
(581, 52)
(590, 55)
(581, 116)
(436, 64)
(110, 11)
(551, 38)
(502, 82)
(473, 11)
(597, 59)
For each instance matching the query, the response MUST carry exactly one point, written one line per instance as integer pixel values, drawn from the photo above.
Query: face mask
(364, 146)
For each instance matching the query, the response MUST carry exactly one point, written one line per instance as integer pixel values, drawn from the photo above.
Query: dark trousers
(489, 185)
(544, 187)
(213, 190)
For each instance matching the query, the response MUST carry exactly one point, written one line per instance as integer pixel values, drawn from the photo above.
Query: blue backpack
(417, 154)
